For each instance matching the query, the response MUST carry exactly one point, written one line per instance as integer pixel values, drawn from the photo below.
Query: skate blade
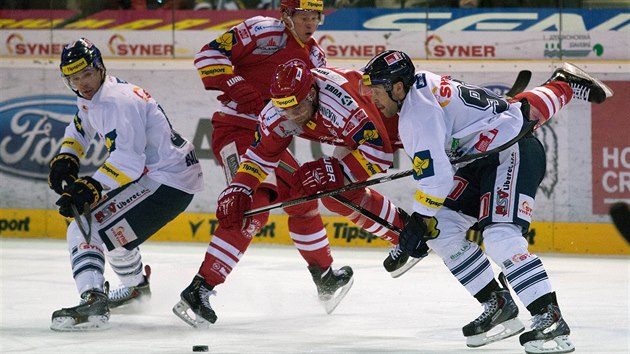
(68, 324)
(331, 304)
(181, 310)
(405, 268)
(505, 330)
(560, 344)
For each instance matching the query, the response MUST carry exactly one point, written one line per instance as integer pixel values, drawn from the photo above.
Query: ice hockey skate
(196, 299)
(125, 296)
(585, 87)
(498, 321)
(91, 314)
(398, 262)
(549, 334)
(332, 285)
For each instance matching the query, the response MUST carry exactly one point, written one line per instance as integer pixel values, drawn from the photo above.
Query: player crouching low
(151, 171)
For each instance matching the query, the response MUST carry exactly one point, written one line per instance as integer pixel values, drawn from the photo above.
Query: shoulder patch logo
(110, 140)
(422, 165)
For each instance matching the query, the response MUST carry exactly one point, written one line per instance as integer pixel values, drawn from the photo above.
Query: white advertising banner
(36, 106)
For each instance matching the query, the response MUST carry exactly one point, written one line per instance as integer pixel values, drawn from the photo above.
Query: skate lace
(489, 308)
(580, 92)
(118, 294)
(542, 321)
(204, 296)
(395, 251)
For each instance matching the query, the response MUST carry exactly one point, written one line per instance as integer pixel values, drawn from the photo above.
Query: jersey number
(480, 98)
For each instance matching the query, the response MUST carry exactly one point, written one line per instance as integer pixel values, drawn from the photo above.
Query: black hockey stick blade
(521, 82)
(620, 215)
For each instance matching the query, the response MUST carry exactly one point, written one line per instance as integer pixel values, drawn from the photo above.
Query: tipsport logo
(31, 133)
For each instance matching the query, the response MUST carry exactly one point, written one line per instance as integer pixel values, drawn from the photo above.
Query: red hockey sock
(546, 100)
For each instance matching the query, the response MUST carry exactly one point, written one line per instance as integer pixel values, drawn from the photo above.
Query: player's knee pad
(307, 209)
(74, 237)
(503, 241)
(359, 196)
(451, 227)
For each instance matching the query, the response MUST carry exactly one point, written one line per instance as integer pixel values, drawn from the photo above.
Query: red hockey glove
(317, 176)
(233, 202)
(248, 99)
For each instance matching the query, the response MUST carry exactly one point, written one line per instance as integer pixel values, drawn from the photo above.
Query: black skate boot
(548, 327)
(332, 285)
(196, 298)
(125, 295)
(499, 310)
(398, 262)
(91, 314)
(585, 87)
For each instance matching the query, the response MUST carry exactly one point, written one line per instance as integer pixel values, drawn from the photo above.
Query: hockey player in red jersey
(441, 120)
(321, 104)
(240, 63)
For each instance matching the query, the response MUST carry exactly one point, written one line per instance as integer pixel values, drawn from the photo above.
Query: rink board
(586, 238)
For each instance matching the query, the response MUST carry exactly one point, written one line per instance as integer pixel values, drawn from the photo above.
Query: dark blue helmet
(77, 56)
(388, 68)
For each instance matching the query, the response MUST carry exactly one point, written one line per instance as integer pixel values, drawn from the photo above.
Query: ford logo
(31, 133)
(497, 89)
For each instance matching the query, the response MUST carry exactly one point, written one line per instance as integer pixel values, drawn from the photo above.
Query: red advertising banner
(610, 126)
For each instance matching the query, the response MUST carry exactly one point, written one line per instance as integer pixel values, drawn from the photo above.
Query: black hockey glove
(63, 168)
(412, 238)
(83, 191)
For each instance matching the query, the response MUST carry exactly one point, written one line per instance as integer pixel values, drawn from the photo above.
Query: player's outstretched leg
(196, 299)
(500, 314)
(92, 313)
(585, 87)
(549, 332)
(332, 285)
(125, 295)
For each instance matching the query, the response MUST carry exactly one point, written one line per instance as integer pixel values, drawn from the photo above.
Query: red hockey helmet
(291, 84)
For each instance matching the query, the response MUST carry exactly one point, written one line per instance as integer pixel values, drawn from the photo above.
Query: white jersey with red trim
(253, 49)
(138, 136)
(442, 119)
(343, 117)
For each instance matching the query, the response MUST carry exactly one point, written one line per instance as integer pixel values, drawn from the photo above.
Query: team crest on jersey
(110, 140)
(224, 42)
(422, 165)
(368, 134)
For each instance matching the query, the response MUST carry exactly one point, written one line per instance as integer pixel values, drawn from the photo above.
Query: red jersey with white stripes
(343, 117)
(253, 49)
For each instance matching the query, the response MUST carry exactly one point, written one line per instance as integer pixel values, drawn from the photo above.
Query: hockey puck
(200, 348)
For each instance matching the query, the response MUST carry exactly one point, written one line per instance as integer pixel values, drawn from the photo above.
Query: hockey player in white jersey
(442, 119)
(148, 179)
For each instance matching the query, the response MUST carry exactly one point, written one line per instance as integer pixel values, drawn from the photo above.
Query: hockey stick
(86, 230)
(620, 215)
(521, 82)
(527, 128)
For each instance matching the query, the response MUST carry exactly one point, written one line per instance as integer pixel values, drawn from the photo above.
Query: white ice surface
(269, 305)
